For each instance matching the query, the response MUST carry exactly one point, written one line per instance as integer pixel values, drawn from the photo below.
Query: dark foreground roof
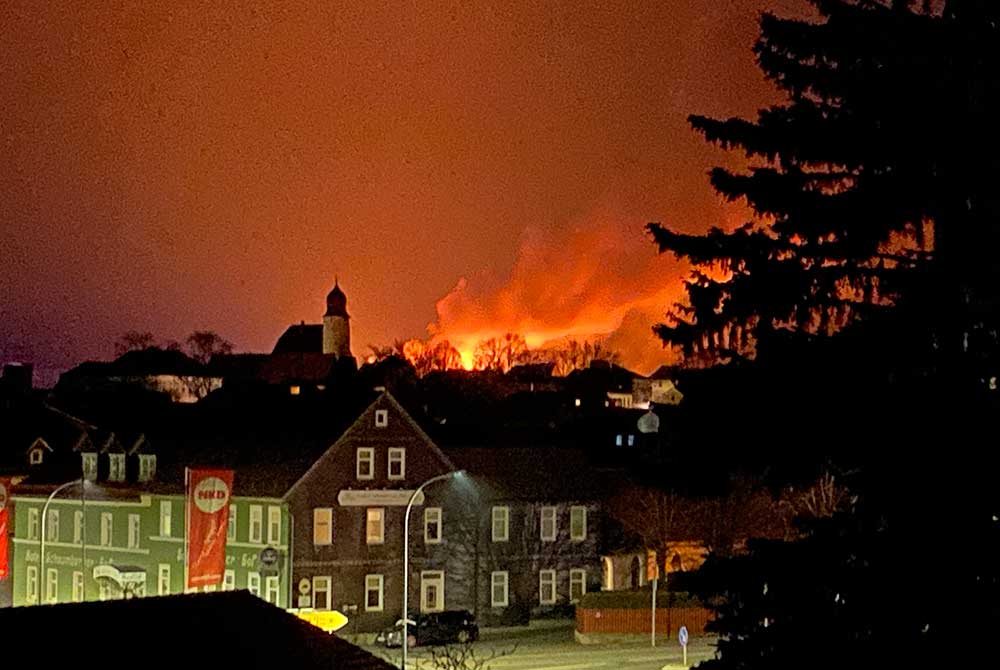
(207, 630)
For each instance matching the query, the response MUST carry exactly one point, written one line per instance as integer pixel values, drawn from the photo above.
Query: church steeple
(336, 323)
(336, 301)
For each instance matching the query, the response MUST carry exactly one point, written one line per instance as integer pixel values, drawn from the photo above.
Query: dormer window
(147, 467)
(89, 465)
(116, 471)
(381, 418)
(618, 440)
(36, 456)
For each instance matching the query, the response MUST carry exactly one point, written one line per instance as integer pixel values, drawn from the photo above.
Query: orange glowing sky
(171, 166)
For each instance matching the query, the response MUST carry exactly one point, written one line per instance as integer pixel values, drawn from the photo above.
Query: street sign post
(682, 637)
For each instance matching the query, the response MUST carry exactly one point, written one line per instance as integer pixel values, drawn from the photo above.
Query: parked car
(433, 629)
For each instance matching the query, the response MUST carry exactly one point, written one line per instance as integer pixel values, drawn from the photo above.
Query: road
(551, 646)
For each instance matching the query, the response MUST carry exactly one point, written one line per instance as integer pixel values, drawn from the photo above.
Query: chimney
(18, 377)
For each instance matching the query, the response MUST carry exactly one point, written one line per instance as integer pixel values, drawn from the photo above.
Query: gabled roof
(301, 338)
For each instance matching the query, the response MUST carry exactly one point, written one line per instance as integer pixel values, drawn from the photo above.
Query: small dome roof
(336, 301)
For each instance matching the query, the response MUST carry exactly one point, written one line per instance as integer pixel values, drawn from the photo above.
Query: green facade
(117, 549)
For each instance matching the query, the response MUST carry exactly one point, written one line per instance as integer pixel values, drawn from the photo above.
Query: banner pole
(187, 523)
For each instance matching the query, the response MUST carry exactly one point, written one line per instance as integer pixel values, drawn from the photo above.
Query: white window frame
(381, 418)
(500, 513)
(253, 583)
(322, 584)
(374, 583)
(232, 523)
(33, 523)
(547, 593)
(163, 579)
(631, 440)
(78, 526)
(35, 456)
(577, 515)
(52, 585)
(273, 525)
(52, 526)
(365, 455)
(427, 576)
(322, 530)
(88, 465)
(499, 578)
(77, 592)
(166, 518)
(397, 455)
(116, 467)
(134, 531)
(618, 440)
(229, 580)
(548, 516)
(272, 589)
(107, 529)
(31, 585)
(147, 467)
(370, 514)
(256, 534)
(432, 518)
(577, 578)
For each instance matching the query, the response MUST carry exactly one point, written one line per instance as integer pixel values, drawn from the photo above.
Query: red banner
(4, 505)
(208, 493)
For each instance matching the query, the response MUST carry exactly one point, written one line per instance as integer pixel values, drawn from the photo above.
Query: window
(133, 531)
(501, 523)
(547, 587)
(381, 418)
(51, 585)
(375, 528)
(431, 591)
(229, 580)
(631, 440)
(165, 518)
(208, 588)
(294, 390)
(576, 402)
(323, 525)
(33, 523)
(78, 527)
(35, 456)
(147, 467)
(366, 463)
(548, 525)
(31, 585)
(256, 523)
(578, 523)
(116, 470)
(373, 593)
(89, 461)
(107, 529)
(231, 526)
(321, 593)
(271, 589)
(432, 525)
(78, 587)
(498, 589)
(253, 583)
(52, 526)
(397, 463)
(274, 525)
(618, 440)
(577, 584)
(163, 579)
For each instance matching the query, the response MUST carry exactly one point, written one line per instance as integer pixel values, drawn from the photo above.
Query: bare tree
(500, 353)
(134, 340)
(203, 344)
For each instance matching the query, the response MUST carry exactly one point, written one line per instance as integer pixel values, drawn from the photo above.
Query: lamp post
(406, 556)
(44, 530)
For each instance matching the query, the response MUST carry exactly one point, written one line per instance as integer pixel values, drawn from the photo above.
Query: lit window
(147, 467)
(578, 523)
(133, 531)
(366, 463)
(163, 579)
(323, 525)
(501, 523)
(321, 593)
(52, 526)
(498, 589)
(548, 525)
(373, 593)
(576, 402)
(166, 518)
(89, 461)
(229, 580)
(432, 525)
(577, 584)
(274, 525)
(618, 440)
(631, 440)
(116, 470)
(397, 463)
(253, 583)
(381, 418)
(547, 587)
(295, 390)
(256, 524)
(107, 529)
(375, 526)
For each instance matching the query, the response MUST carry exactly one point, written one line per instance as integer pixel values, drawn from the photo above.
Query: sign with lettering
(328, 621)
(208, 519)
(4, 495)
(378, 498)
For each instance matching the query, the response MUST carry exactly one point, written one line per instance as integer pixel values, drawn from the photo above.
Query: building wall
(152, 551)
(336, 336)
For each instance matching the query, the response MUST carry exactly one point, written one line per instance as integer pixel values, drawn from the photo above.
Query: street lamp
(406, 555)
(45, 529)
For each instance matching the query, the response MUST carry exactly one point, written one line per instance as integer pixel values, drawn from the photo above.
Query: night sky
(171, 166)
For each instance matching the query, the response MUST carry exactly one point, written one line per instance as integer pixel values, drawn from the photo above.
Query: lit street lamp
(406, 555)
(44, 530)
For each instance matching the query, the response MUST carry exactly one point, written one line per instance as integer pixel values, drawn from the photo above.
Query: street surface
(551, 646)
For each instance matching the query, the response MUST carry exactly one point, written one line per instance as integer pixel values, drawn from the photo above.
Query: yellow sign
(652, 568)
(328, 621)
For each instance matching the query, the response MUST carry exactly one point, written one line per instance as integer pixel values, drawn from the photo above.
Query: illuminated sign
(377, 498)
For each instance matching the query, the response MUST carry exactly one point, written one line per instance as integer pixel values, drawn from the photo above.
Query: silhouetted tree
(203, 344)
(500, 353)
(134, 340)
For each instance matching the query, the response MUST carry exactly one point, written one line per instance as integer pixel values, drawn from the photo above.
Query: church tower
(336, 324)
